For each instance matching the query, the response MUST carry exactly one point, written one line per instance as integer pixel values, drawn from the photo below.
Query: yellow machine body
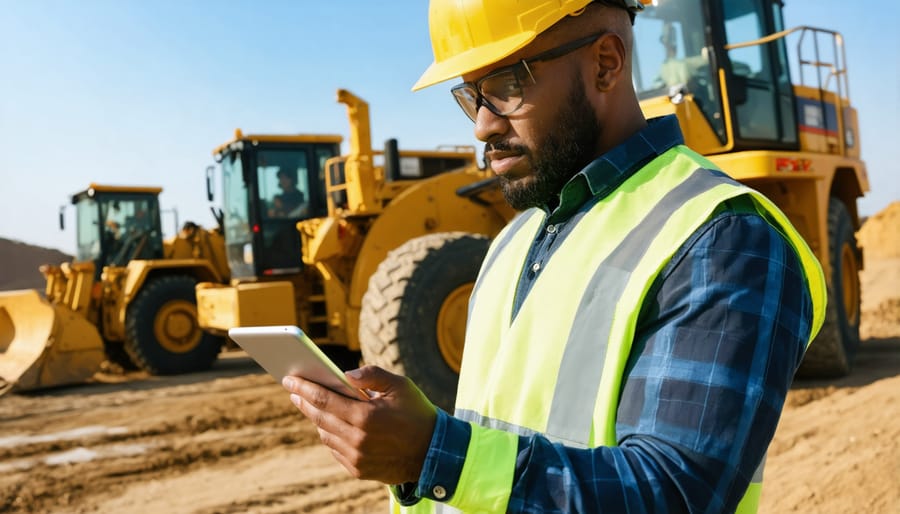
(346, 255)
(44, 344)
(221, 307)
(792, 136)
(62, 336)
(369, 214)
(799, 182)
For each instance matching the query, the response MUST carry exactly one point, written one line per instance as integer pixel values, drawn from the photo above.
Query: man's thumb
(373, 378)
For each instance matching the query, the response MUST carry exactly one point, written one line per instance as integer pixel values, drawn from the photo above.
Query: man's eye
(502, 87)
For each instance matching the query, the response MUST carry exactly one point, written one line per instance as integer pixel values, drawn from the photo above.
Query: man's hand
(385, 438)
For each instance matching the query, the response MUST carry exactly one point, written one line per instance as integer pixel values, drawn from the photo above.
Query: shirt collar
(610, 170)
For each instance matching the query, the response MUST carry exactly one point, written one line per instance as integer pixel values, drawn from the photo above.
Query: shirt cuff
(443, 463)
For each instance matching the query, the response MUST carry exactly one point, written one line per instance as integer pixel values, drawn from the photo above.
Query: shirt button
(439, 492)
(551, 229)
(536, 267)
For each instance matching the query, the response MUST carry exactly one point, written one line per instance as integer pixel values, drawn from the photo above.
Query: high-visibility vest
(557, 368)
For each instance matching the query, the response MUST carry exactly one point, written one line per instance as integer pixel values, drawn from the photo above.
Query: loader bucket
(43, 344)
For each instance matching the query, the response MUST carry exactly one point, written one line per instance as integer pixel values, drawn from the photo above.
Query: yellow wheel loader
(128, 297)
(780, 122)
(384, 260)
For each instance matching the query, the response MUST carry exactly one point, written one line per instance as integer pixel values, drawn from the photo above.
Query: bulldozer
(778, 121)
(387, 255)
(128, 297)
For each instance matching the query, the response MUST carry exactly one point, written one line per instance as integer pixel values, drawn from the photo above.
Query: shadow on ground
(229, 364)
(875, 360)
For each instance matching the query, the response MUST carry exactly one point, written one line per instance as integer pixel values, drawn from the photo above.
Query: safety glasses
(501, 91)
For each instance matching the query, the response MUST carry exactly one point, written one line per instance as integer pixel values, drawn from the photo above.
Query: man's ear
(608, 55)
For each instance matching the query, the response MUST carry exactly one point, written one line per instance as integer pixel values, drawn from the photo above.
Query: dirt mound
(883, 321)
(20, 261)
(880, 234)
(879, 238)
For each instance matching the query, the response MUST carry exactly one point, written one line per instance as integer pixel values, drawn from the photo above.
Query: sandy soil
(228, 440)
(224, 441)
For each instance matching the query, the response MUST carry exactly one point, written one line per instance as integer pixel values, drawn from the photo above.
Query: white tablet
(288, 351)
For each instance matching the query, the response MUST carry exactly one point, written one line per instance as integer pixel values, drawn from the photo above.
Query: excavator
(128, 297)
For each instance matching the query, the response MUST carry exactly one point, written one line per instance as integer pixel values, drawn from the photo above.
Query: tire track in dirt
(75, 451)
(284, 479)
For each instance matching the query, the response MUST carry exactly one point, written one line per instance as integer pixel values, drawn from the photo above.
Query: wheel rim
(175, 326)
(850, 283)
(451, 325)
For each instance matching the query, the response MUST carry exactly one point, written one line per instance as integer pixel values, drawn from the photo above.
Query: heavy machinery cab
(269, 183)
(726, 62)
(116, 224)
(778, 121)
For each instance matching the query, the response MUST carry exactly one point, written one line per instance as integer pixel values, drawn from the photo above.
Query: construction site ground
(228, 440)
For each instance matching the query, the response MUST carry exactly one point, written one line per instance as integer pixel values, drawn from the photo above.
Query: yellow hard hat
(470, 34)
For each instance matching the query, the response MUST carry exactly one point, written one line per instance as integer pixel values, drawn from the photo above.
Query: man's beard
(567, 148)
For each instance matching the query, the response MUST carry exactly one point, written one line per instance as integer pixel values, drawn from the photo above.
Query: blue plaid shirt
(718, 339)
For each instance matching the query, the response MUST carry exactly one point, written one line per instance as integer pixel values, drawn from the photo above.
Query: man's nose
(488, 126)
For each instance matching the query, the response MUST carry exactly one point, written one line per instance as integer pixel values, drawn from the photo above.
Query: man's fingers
(373, 378)
(337, 443)
(320, 396)
(346, 454)
(348, 464)
(385, 438)
(314, 414)
(322, 418)
(335, 430)
(310, 391)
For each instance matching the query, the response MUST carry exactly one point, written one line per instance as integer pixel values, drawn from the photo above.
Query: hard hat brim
(473, 59)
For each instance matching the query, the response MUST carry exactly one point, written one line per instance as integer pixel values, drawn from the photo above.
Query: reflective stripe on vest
(557, 368)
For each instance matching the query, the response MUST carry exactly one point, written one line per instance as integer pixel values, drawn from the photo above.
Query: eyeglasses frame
(547, 55)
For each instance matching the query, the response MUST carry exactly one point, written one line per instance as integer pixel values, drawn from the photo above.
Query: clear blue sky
(139, 92)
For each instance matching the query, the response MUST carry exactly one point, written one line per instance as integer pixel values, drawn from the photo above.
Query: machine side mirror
(62, 217)
(210, 170)
(391, 160)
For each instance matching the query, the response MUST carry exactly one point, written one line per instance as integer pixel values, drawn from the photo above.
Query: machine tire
(831, 354)
(162, 334)
(413, 308)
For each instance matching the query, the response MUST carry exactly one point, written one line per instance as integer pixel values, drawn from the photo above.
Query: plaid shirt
(720, 334)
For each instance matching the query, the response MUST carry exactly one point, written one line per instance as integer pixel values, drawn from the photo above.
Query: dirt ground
(228, 440)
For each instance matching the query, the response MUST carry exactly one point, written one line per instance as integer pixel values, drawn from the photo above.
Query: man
(288, 203)
(140, 222)
(632, 333)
